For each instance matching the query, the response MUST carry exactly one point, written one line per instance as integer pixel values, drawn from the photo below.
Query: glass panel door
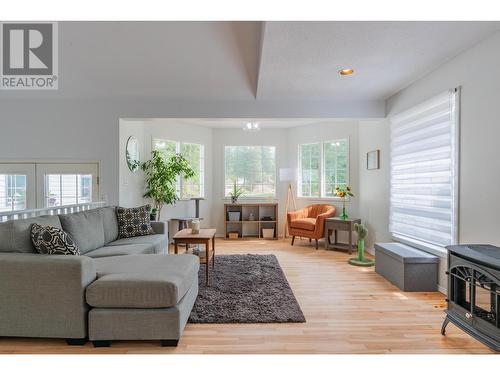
(66, 184)
(17, 187)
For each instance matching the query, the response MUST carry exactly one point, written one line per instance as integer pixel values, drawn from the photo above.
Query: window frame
(251, 198)
(178, 149)
(322, 180)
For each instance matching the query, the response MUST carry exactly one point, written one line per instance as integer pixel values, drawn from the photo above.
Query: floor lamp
(288, 175)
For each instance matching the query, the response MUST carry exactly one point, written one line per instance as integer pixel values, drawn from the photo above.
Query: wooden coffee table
(203, 238)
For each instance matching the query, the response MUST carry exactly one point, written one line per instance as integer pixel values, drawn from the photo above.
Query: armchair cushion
(305, 223)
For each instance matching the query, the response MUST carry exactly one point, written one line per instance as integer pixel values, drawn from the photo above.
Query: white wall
(326, 131)
(132, 185)
(374, 184)
(237, 137)
(285, 140)
(43, 127)
(131, 188)
(477, 71)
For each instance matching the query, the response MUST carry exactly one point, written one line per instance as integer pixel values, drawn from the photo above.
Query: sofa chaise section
(142, 297)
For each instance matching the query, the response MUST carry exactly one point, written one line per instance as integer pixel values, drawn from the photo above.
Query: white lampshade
(287, 174)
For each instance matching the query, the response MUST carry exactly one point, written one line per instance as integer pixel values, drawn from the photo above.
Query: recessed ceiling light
(346, 72)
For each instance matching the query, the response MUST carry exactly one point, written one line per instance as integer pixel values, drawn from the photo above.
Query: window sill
(252, 199)
(335, 199)
(429, 248)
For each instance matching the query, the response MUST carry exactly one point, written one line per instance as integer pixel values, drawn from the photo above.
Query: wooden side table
(203, 238)
(334, 224)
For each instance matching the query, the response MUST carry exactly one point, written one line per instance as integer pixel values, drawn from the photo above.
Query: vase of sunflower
(343, 192)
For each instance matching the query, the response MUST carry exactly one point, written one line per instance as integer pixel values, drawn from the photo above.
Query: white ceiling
(248, 61)
(301, 59)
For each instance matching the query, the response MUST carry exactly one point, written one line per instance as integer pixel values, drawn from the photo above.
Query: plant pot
(152, 215)
(234, 200)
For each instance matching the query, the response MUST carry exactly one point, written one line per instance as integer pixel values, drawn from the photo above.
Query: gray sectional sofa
(118, 289)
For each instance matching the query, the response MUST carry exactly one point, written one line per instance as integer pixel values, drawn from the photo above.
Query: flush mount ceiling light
(251, 127)
(346, 72)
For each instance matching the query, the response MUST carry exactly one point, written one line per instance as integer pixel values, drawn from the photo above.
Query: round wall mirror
(132, 154)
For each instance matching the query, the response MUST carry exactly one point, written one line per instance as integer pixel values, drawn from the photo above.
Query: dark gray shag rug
(246, 289)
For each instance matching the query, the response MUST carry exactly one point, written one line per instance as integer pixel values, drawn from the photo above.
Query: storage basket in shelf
(234, 215)
(267, 232)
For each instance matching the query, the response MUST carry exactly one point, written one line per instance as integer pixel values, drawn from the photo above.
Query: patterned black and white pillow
(53, 241)
(133, 222)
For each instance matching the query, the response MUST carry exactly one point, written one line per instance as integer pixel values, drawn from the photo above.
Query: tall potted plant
(161, 174)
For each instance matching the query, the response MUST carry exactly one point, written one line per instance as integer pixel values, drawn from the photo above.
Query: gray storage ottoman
(410, 269)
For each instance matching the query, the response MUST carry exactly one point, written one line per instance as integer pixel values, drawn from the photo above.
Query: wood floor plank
(348, 310)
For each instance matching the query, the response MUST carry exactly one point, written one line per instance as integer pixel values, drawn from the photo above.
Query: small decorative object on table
(235, 193)
(251, 216)
(195, 226)
(343, 192)
(361, 260)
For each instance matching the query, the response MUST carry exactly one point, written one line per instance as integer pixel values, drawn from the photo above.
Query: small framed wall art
(373, 159)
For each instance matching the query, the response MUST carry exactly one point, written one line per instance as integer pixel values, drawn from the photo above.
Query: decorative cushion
(15, 235)
(86, 228)
(133, 222)
(52, 241)
(306, 223)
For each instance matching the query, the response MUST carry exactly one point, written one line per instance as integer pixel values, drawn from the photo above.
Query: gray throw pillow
(133, 222)
(52, 241)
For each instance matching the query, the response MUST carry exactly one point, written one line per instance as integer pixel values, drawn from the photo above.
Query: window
(253, 168)
(12, 192)
(322, 167)
(310, 170)
(424, 165)
(195, 154)
(67, 189)
(193, 187)
(167, 148)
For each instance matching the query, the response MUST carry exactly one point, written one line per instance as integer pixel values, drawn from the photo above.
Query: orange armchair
(309, 221)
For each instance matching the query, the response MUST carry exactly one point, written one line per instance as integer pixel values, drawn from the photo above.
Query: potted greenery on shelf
(161, 175)
(235, 193)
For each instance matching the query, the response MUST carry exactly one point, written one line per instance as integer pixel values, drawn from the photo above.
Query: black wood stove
(474, 292)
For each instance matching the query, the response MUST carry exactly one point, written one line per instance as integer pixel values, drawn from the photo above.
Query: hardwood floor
(348, 310)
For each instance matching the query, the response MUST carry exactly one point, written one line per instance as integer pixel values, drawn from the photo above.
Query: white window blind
(424, 171)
